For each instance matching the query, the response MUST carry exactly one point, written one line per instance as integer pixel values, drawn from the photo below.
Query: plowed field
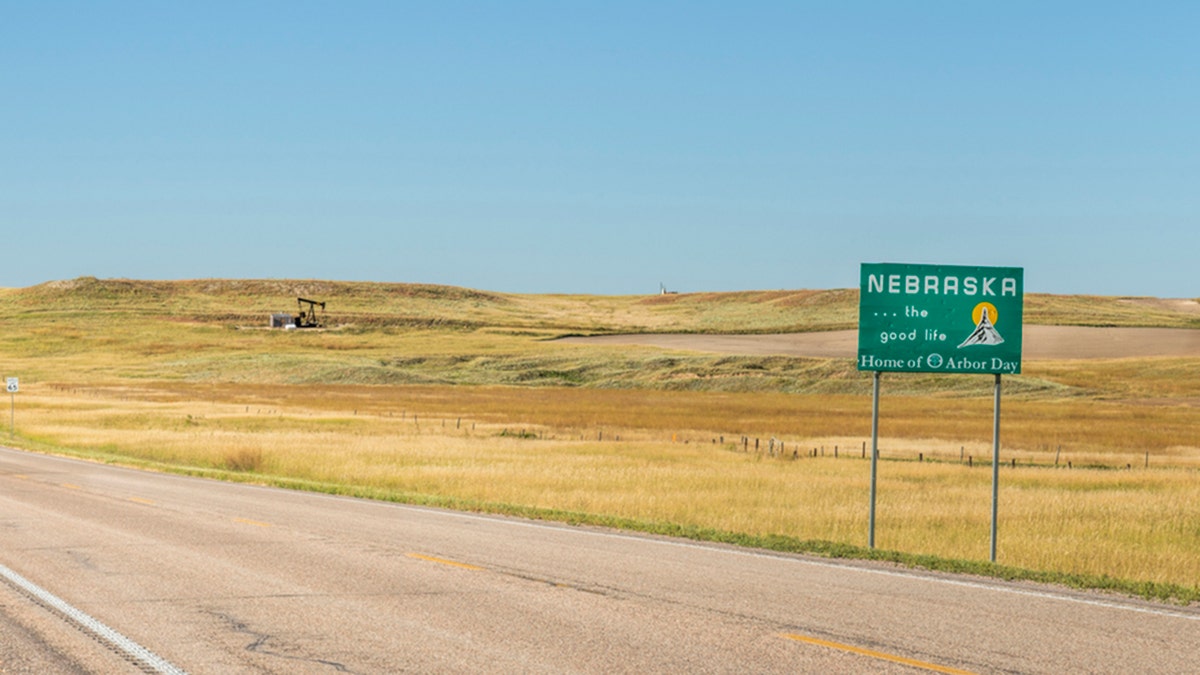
(1040, 343)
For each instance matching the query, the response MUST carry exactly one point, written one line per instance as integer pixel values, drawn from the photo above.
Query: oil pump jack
(309, 319)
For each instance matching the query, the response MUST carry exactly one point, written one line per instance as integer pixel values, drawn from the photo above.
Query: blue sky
(601, 147)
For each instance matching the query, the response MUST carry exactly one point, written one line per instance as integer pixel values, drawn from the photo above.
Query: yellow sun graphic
(993, 315)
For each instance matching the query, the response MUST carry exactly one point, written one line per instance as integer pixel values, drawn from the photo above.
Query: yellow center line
(71, 486)
(883, 656)
(21, 476)
(255, 523)
(442, 561)
(139, 500)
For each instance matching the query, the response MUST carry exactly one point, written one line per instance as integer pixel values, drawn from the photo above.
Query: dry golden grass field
(466, 399)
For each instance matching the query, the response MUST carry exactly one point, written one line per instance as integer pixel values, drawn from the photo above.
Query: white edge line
(107, 635)
(915, 575)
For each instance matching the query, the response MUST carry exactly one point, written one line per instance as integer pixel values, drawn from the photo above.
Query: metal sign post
(995, 466)
(874, 457)
(940, 319)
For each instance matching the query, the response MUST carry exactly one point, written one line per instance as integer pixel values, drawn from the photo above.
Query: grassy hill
(215, 331)
(366, 306)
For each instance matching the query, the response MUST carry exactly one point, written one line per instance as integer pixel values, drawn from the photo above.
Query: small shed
(281, 320)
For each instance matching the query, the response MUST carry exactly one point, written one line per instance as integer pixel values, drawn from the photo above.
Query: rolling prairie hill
(91, 330)
(366, 306)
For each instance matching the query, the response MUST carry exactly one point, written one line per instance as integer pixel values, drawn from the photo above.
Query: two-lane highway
(216, 577)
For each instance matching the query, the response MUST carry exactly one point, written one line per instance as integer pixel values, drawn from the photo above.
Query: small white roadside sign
(13, 387)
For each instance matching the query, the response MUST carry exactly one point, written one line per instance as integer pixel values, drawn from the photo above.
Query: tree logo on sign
(985, 333)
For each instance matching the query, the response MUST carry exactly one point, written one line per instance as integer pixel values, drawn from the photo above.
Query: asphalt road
(224, 578)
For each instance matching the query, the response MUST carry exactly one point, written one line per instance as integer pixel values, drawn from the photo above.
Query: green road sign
(940, 318)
